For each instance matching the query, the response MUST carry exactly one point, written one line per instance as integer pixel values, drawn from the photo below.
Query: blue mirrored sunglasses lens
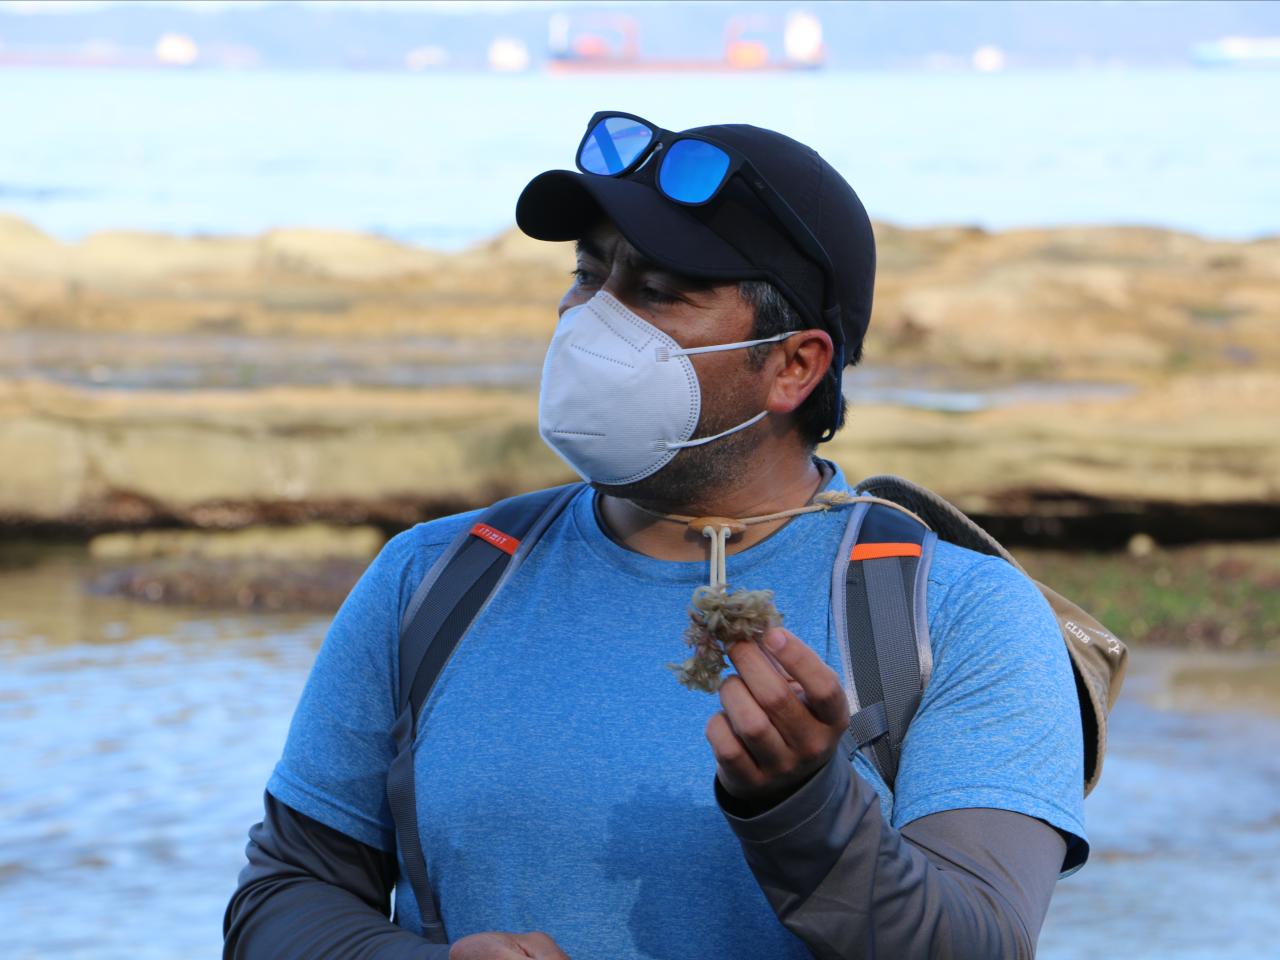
(692, 170)
(612, 145)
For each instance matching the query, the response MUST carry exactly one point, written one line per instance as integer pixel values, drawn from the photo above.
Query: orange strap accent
(491, 535)
(878, 551)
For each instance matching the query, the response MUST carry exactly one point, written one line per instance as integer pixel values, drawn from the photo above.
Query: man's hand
(506, 946)
(777, 728)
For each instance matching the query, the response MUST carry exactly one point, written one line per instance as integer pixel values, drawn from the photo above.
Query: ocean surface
(438, 159)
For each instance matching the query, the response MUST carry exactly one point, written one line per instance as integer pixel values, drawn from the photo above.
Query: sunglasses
(692, 170)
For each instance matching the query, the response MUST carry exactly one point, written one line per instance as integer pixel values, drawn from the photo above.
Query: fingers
(753, 726)
(735, 766)
(824, 694)
(784, 714)
(540, 946)
(487, 946)
(506, 946)
(786, 706)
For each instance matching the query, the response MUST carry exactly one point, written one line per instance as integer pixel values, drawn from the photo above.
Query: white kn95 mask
(619, 397)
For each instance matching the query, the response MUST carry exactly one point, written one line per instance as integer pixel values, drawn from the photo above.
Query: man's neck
(778, 485)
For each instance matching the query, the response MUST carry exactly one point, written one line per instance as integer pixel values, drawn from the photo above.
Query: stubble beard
(694, 476)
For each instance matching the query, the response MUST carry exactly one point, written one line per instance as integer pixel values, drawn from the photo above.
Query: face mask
(619, 397)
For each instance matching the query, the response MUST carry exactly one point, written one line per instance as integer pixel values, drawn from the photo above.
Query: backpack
(878, 604)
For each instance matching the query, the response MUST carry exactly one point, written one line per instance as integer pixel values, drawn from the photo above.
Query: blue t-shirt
(564, 782)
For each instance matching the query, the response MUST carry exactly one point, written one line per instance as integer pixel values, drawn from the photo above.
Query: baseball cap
(733, 237)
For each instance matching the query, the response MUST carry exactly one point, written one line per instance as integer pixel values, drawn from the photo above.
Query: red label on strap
(502, 541)
(878, 551)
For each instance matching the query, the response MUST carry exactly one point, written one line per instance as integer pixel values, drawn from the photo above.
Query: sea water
(439, 159)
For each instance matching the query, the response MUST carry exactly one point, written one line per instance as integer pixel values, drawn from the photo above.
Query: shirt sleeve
(999, 723)
(312, 893)
(334, 765)
(961, 885)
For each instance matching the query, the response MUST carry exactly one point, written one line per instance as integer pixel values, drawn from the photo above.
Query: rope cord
(719, 543)
(719, 530)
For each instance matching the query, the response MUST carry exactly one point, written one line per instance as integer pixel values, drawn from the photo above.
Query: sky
(51, 7)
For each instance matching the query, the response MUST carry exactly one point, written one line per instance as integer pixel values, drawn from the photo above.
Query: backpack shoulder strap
(878, 591)
(462, 580)
(442, 609)
(1098, 657)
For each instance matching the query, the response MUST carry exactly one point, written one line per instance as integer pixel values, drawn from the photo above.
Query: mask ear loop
(666, 445)
(665, 353)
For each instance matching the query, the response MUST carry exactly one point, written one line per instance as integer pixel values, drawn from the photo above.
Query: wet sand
(1105, 302)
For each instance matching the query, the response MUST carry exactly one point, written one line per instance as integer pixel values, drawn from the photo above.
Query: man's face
(694, 313)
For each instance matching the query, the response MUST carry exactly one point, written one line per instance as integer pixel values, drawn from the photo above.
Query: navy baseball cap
(733, 237)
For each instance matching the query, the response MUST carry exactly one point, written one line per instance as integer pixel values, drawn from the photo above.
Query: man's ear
(798, 367)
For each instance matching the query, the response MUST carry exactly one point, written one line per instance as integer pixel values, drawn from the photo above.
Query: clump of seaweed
(717, 620)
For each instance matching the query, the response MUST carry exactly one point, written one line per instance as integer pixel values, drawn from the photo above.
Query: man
(572, 798)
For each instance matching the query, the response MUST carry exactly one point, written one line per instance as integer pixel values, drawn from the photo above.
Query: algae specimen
(717, 620)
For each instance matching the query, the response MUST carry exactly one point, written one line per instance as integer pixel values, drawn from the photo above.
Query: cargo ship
(603, 42)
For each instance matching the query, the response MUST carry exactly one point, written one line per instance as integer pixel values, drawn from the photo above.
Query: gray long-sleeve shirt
(970, 883)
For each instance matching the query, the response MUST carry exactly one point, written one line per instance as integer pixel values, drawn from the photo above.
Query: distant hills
(877, 34)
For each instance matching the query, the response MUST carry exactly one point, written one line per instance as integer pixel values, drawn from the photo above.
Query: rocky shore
(1186, 326)
(101, 460)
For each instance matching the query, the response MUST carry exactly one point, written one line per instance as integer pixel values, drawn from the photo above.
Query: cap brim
(564, 205)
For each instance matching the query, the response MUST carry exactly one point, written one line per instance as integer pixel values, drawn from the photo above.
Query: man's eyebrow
(638, 263)
(632, 259)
